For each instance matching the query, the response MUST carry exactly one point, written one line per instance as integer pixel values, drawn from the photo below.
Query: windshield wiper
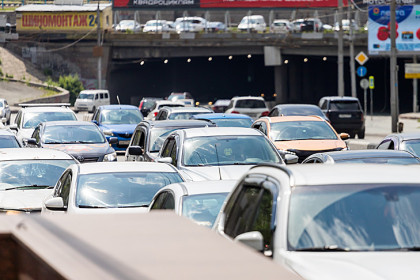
(324, 248)
(34, 186)
(53, 142)
(243, 163)
(133, 206)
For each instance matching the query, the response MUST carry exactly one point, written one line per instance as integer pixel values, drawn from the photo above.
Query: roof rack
(24, 105)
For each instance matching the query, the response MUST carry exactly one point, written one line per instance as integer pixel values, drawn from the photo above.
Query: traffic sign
(361, 58)
(361, 71)
(364, 83)
(371, 82)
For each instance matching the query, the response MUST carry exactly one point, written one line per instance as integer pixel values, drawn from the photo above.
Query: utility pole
(415, 106)
(98, 44)
(393, 70)
(352, 66)
(340, 50)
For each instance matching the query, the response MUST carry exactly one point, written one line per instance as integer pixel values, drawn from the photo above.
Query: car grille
(82, 159)
(302, 155)
(124, 135)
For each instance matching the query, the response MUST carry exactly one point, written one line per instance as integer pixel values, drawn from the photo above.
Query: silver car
(4, 111)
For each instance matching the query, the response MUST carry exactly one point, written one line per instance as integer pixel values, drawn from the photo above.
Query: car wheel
(361, 134)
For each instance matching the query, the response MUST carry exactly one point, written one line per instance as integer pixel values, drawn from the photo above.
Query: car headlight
(110, 157)
(108, 132)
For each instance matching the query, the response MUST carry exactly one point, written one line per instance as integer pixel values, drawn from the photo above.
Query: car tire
(352, 134)
(361, 134)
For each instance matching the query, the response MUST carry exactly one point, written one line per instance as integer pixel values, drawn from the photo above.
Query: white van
(253, 23)
(91, 99)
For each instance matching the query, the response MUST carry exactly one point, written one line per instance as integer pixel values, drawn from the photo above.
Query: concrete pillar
(280, 84)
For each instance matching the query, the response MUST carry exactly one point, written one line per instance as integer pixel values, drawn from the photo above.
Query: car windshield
(158, 136)
(32, 173)
(354, 217)
(184, 115)
(121, 116)
(147, 104)
(121, 189)
(155, 23)
(72, 134)
(250, 103)
(32, 119)
(86, 96)
(412, 146)
(228, 150)
(386, 160)
(301, 130)
(170, 105)
(8, 142)
(302, 111)
(175, 97)
(232, 122)
(203, 208)
(344, 105)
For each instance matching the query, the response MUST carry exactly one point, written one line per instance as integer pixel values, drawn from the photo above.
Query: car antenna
(118, 100)
(218, 163)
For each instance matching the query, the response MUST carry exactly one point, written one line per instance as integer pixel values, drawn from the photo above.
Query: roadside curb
(359, 144)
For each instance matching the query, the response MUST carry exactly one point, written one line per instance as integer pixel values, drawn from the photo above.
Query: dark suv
(345, 114)
(147, 103)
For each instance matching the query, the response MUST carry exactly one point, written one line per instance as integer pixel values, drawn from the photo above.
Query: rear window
(344, 105)
(250, 103)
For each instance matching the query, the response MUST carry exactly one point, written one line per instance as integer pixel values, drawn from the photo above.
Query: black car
(297, 110)
(83, 140)
(345, 114)
(149, 136)
(147, 103)
(311, 25)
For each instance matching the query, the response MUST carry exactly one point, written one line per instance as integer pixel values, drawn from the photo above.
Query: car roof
(47, 109)
(220, 131)
(159, 102)
(248, 97)
(116, 167)
(296, 105)
(188, 109)
(31, 153)
(94, 91)
(215, 116)
(176, 123)
(340, 98)
(371, 153)
(62, 123)
(293, 119)
(200, 187)
(405, 136)
(118, 107)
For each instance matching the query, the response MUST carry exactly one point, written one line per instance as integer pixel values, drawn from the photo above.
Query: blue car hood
(119, 128)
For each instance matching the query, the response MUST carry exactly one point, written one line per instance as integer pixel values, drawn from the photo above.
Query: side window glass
(263, 128)
(65, 190)
(106, 95)
(5, 104)
(159, 201)
(96, 96)
(256, 125)
(173, 154)
(98, 116)
(142, 141)
(136, 138)
(385, 145)
(168, 147)
(324, 105)
(169, 202)
(59, 185)
(18, 118)
(36, 135)
(102, 96)
(273, 113)
(230, 105)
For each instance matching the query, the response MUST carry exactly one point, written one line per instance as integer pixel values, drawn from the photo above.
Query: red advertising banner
(168, 4)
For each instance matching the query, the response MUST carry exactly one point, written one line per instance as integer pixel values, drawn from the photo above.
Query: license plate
(126, 142)
(344, 116)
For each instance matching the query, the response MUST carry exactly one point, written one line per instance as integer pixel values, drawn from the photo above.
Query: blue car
(118, 121)
(226, 120)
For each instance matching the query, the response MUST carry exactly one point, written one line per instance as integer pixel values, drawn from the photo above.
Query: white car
(281, 26)
(156, 26)
(112, 187)
(8, 139)
(329, 221)
(90, 99)
(30, 115)
(198, 201)
(253, 106)
(5, 112)
(128, 25)
(217, 153)
(27, 177)
(160, 104)
(255, 23)
(190, 24)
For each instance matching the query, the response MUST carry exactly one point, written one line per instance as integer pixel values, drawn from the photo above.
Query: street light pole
(393, 70)
(340, 50)
(98, 29)
(352, 66)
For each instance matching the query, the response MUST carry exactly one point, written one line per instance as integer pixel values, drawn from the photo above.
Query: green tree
(72, 84)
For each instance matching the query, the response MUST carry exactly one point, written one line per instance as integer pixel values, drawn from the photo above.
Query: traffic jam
(236, 167)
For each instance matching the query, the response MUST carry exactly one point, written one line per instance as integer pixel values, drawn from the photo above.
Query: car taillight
(141, 105)
(235, 112)
(265, 113)
(361, 116)
(155, 113)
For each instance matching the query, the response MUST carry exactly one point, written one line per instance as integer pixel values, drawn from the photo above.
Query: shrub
(1, 73)
(72, 84)
(47, 72)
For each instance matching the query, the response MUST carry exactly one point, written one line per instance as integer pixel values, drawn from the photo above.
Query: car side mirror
(135, 151)
(30, 141)
(253, 239)
(95, 122)
(113, 140)
(291, 159)
(165, 160)
(344, 136)
(55, 203)
(13, 127)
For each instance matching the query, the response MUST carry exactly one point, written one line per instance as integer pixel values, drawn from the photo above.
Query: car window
(102, 96)
(96, 96)
(263, 128)
(300, 130)
(8, 142)
(168, 147)
(65, 189)
(18, 119)
(274, 113)
(138, 138)
(173, 154)
(169, 202)
(344, 105)
(121, 116)
(324, 105)
(72, 134)
(157, 203)
(250, 103)
(106, 95)
(36, 134)
(32, 119)
(384, 145)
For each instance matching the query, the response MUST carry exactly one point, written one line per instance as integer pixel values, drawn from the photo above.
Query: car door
(251, 207)
(62, 189)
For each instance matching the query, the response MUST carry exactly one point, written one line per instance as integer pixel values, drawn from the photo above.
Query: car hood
(207, 173)
(23, 199)
(310, 145)
(355, 265)
(86, 149)
(119, 128)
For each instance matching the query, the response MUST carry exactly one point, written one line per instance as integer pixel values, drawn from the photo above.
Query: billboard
(56, 21)
(407, 26)
(141, 4)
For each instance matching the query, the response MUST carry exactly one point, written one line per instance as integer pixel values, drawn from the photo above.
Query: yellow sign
(371, 82)
(361, 58)
(57, 21)
(412, 76)
(412, 71)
